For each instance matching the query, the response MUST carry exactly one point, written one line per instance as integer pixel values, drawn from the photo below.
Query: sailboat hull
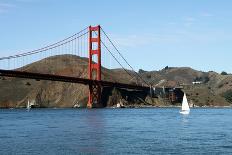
(185, 112)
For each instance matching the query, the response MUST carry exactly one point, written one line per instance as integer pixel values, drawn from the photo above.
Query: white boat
(185, 106)
(118, 105)
(28, 105)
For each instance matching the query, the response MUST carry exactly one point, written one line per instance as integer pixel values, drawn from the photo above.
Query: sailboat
(185, 106)
(28, 105)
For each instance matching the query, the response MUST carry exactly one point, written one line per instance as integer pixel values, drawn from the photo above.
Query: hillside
(15, 92)
(211, 91)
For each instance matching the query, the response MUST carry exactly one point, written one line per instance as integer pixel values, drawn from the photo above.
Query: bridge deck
(50, 77)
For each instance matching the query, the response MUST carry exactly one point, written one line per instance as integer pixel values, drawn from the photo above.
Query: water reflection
(184, 120)
(94, 132)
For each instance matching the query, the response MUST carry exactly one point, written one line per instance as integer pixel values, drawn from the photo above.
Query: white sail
(28, 105)
(185, 105)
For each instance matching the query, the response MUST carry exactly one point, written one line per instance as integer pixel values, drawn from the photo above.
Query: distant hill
(182, 75)
(210, 92)
(214, 89)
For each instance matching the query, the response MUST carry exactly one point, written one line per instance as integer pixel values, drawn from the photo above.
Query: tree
(142, 71)
(224, 73)
(166, 68)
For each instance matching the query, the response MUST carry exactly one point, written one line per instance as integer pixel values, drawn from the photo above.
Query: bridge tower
(94, 68)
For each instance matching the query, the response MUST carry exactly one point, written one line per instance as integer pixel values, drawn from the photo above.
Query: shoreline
(128, 107)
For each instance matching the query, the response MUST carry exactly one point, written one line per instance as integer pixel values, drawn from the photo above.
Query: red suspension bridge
(92, 43)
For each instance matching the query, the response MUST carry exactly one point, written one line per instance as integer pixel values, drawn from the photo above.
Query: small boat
(118, 105)
(185, 110)
(28, 105)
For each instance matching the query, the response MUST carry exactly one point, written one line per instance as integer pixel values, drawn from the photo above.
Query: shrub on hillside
(166, 68)
(142, 71)
(224, 73)
(228, 96)
(203, 79)
(148, 76)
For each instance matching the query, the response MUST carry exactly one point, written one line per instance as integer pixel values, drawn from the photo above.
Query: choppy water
(115, 131)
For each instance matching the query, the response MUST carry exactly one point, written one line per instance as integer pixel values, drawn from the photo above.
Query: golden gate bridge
(92, 43)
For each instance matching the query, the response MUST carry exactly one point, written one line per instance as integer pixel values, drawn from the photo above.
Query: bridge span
(50, 77)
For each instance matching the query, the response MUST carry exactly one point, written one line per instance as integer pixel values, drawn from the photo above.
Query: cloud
(174, 37)
(143, 40)
(134, 40)
(5, 7)
(205, 14)
(190, 19)
(172, 23)
(27, 1)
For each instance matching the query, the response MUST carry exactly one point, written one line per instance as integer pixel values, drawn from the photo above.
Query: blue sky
(150, 33)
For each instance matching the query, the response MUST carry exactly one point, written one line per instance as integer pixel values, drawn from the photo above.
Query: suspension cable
(57, 44)
(123, 57)
(116, 59)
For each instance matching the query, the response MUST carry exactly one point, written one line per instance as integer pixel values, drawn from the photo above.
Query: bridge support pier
(95, 91)
(94, 69)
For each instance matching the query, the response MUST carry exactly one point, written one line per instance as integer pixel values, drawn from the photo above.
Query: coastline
(127, 107)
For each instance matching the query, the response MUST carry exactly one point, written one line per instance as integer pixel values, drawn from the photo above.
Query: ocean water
(116, 131)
